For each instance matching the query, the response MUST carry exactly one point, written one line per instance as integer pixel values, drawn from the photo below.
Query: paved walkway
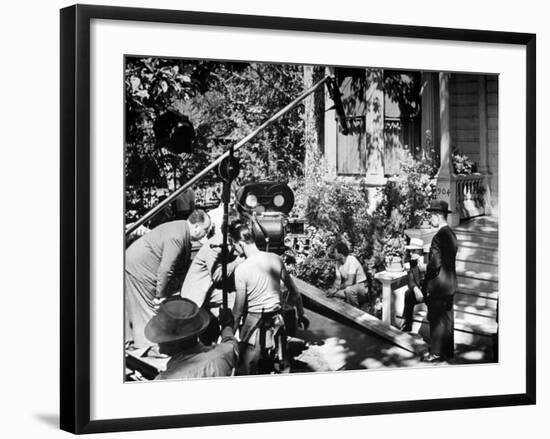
(337, 346)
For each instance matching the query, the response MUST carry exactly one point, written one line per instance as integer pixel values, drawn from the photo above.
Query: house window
(351, 149)
(402, 117)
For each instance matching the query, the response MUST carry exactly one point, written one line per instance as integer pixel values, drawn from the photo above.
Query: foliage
(313, 263)
(237, 105)
(403, 88)
(225, 102)
(338, 210)
(462, 164)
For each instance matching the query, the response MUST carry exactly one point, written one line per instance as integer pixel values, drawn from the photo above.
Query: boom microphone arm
(335, 95)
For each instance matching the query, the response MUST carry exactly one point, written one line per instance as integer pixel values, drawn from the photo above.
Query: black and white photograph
(295, 218)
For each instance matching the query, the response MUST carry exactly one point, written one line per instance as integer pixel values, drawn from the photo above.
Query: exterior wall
(464, 100)
(430, 114)
(466, 129)
(361, 153)
(492, 159)
(470, 97)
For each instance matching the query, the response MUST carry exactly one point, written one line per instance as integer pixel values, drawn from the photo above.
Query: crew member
(258, 289)
(153, 264)
(350, 280)
(203, 281)
(176, 328)
(441, 284)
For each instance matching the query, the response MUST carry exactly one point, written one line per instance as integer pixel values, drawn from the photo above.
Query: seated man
(176, 328)
(414, 294)
(258, 289)
(350, 277)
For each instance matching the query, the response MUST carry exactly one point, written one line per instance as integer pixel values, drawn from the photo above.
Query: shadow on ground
(336, 346)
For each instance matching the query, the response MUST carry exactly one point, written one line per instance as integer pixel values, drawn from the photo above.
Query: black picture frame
(75, 217)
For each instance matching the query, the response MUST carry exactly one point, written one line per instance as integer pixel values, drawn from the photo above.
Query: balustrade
(470, 195)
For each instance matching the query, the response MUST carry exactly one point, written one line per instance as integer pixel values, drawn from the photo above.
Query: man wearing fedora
(153, 264)
(414, 294)
(176, 328)
(441, 284)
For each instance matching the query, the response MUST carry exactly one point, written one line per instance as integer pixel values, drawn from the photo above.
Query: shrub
(339, 210)
(312, 262)
(462, 164)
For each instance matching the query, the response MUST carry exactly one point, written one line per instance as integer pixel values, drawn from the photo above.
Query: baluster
(460, 197)
(457, 192)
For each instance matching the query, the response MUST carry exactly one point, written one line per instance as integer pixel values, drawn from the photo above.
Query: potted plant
(394, 248)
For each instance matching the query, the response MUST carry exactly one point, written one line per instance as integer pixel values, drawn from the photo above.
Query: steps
(476, 299)
(476, 269)
(488, 256)
(486, 240)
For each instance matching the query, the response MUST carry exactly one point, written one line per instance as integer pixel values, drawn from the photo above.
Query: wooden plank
(362, 319)
(147, 366)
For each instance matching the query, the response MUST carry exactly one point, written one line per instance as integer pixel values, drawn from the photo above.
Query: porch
(427, 115)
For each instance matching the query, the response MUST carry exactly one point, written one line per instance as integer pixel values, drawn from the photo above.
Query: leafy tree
(225, 102)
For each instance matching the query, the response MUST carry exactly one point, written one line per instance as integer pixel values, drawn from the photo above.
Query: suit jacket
(441, 270)
(160, 257)
(203, 361)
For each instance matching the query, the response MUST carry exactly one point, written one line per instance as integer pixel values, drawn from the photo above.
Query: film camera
(266, 205)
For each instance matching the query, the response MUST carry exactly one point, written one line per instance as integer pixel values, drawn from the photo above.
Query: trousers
(441, 318)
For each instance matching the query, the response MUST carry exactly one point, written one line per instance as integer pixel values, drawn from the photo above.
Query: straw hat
(415, 244)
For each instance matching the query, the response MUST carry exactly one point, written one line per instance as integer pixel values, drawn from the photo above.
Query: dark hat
(177, 319)
(438, 206)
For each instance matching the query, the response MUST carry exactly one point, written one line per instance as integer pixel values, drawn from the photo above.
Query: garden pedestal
(390, 281)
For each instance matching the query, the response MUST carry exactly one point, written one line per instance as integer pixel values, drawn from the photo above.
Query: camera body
(265, 206)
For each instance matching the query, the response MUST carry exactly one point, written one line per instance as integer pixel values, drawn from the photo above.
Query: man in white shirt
(350, 277)
(258, 289)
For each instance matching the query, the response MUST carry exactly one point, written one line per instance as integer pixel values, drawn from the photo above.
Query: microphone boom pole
(159, 207)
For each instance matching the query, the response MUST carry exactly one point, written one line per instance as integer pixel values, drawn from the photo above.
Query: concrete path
(336, 346)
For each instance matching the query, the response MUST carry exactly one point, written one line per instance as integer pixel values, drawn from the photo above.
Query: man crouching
(258, 289)
(176, 329)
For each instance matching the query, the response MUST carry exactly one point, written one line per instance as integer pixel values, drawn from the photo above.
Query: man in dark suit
(441, 284)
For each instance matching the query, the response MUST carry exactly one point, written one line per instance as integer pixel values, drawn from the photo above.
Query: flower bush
(462, 164)
(338, 210)
(312, 262)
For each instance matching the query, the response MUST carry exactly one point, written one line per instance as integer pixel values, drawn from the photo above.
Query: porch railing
(470, 195)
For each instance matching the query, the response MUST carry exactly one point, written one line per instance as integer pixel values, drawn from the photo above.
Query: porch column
(313, 120)
(330, 130)
(375, 126)
(390, 281)
(483, 142)
(482, 105)
(445, 177)
(430, 115)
